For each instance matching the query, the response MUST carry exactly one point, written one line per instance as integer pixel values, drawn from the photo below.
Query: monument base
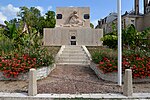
(72, 36)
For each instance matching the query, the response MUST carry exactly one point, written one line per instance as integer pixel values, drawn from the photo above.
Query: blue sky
(99, 8)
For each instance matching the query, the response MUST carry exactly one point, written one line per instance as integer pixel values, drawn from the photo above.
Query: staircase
(73, 55)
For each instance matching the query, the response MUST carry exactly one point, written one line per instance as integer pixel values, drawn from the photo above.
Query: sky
(98, 8)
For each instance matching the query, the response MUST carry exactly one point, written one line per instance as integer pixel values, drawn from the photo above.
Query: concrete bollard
(32, 88)
(127, 87)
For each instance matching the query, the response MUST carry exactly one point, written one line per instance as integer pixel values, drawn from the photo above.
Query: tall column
(145, 5)
(136, 6)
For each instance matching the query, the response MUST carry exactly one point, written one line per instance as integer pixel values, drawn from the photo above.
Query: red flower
(101, 63)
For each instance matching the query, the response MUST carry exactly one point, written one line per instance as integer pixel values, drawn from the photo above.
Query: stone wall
(42, 72)
(62, 36)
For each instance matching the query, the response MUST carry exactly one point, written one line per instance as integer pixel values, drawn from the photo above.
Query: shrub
(43, 56)
(6, 45)
(110, 40)
(131, 38)
(98, 55)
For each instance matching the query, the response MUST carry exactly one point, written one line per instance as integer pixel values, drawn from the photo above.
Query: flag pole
(119, 44)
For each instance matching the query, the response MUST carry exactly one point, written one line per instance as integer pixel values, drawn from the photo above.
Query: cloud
(40, 8)
(95, 22)
(49, 8)
(2, 18)
(71, 6)
(9, 10)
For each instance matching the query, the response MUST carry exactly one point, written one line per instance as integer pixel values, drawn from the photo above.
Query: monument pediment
(73, 17)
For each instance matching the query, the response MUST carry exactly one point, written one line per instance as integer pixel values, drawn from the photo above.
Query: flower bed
(138, 61)
(16, 66)
(42, 72)
(140, 65)
(112, 76)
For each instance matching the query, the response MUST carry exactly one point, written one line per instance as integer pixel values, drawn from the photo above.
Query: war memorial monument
(72, 28)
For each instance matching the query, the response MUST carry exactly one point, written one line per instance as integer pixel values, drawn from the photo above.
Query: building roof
(2, 26)
(131, 13)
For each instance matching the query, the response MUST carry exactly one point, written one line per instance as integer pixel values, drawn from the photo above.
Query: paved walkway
(71, 79)
(75, 79)
(66, 80)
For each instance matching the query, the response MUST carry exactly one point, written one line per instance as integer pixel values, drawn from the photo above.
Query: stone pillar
(127, 87)
(32, 88)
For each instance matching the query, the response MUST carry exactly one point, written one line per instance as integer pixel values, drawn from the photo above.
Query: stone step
(73, 61)
(82, 64)
(73, 47)
(74, 54)
(72, 51)
(73, 57)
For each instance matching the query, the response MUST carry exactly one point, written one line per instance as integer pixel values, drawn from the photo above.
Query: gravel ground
(71, 79)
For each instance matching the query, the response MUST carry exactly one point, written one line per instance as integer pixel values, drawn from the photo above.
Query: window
(132, 21)
(73, 42)
(73, 37)
(59, 16)
(86, 16)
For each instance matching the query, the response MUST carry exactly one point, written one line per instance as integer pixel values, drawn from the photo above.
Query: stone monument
(72, 28)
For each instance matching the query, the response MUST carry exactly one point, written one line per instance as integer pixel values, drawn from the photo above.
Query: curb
(24, 96)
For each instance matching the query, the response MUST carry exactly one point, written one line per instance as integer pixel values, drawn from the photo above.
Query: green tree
(30, 16)
(14, 34)
(50, 18)
(47, 21)
(91, 25)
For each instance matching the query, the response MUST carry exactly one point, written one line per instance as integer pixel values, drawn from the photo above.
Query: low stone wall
(42, 72)
(113, 77)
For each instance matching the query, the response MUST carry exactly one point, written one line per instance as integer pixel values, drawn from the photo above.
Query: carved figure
(74, 20)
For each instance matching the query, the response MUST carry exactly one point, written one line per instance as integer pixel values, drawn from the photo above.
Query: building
(106, 23)
(72, 28)
(2, 26)
(139, 20)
